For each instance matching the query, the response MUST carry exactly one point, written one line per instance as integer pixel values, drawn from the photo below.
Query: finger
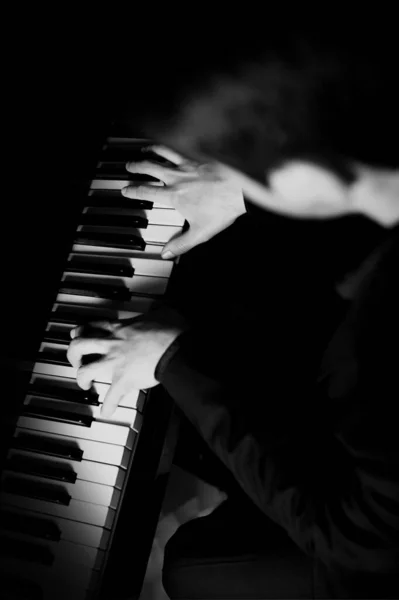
(95, 371)
(80, 347)
(167, 153)
(146, 167)
(81, 330)
(183, 242)
(163, 195)
(114, 396)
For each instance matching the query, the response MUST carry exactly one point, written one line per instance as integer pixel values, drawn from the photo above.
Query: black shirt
(323, 461)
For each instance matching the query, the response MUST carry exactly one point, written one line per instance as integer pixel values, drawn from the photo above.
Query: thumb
(113, 397)
(184, 242)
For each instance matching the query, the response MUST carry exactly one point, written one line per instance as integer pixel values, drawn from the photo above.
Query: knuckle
(147, 164)
(142, 192)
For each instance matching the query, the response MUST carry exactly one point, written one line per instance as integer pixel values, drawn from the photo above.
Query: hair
(330, 98)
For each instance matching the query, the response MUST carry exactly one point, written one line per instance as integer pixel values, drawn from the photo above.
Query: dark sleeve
(326, 466)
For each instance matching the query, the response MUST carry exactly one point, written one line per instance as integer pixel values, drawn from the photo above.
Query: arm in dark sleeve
(326, 467)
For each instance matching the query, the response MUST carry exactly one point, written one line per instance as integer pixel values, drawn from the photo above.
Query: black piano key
(55, 392)
(54, 356)
(114, 167)
(26, 551)
(114, 199)
(48, 492)
(117, 170)
(61, 416)
(73, 315)
(43, 445)
(57, 336)
(95, 290)
(27, 525)
(123, 154)
(123, 241)
(97, 268)
(108, 173)
(41, 467)
(110, 168)
(107, 220)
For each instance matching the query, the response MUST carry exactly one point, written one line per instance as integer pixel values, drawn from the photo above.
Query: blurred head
(307, 123)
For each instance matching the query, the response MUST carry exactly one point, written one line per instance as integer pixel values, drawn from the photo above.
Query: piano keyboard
(67, 467)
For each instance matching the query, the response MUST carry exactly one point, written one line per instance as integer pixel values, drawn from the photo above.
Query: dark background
(54, 121)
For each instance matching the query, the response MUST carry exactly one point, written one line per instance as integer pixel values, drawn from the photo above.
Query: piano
(81, 495)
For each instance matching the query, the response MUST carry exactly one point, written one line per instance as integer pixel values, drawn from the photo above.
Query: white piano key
(84, 512)
(160, 234)
(86, 491)
(93, 312)
(83, 555)
(151, 251)
(85, 470)
(141, 266)
(155, 216)
(58, 370)
(100, 473)
(138, 284)
(122, 415)
(82, 533)
(99, 432)
(135, 304)
(117, 184)
(96, 451)
(72, 531)
(63, 581)
(135, 399)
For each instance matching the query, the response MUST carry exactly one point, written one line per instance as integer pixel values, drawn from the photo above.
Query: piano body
(80, 496)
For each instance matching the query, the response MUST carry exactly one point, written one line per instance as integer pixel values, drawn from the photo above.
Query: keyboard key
(29, 525)
(34, 466)
(35, 489)
(43, 445)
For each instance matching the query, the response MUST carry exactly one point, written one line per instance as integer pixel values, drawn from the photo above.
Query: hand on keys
(202, 193)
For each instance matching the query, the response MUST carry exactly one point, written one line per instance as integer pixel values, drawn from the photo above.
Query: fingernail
(166, 255)
(124, 191)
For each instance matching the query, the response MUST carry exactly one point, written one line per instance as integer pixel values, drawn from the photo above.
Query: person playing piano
(305, 127)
